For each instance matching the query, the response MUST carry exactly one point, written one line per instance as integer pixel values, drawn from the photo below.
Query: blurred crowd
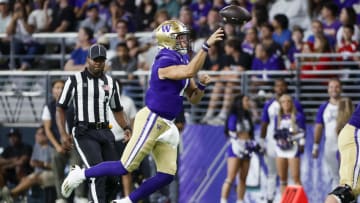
(278, 30)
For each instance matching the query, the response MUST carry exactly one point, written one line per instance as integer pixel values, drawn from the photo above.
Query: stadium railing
(62, 40)
(23, 94)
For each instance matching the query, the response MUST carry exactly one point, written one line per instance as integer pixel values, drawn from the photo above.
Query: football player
(154, 131)
(348, 143)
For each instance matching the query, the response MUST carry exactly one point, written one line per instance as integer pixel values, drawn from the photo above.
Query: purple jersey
(271, 110)
(236, 125)
(273, 63)
(300, 121)
(335, 25)
(165, 97)
(355, 117)
(291, 53)
(248, 48)
(274, 104)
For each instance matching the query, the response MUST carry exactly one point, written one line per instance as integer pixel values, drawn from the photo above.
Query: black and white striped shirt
(91, 96)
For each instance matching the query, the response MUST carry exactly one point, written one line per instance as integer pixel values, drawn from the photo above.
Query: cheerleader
(290, 141)
(239, 128)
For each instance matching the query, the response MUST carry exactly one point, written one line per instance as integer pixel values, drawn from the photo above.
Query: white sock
(128, 200)
(83, 177)
(223, 200)
(239, 201)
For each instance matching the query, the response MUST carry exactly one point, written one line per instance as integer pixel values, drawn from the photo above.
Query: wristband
(200, 86)
(302, 142)
(205, 47)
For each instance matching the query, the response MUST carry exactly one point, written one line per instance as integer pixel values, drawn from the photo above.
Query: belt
(97, 125)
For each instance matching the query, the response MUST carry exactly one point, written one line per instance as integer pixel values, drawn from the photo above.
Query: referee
(91, 92)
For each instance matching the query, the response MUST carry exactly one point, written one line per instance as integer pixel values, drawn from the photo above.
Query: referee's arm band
(64, 106)
(117, 109)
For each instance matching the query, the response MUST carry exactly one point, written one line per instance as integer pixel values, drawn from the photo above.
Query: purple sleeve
(300, 121)
(319, 115)
(298, 106)
(73, 54)
(265, 114)
(256, 64)
(165, 60)
(206, 9)
(274, 63)
(232, 122)
(344, 4)
(79, 3)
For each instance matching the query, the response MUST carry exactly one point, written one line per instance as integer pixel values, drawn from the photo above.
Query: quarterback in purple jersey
(154, 130)
(349, 148)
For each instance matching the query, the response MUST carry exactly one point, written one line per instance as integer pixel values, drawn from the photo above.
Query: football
(235, 15)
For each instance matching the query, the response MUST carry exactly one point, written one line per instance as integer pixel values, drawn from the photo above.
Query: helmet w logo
(166, 28)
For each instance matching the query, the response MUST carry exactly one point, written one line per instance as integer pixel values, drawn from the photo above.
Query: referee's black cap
(97, 51)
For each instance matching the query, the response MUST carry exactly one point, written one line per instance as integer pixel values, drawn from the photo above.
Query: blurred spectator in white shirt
(295, 10)
(40, 18)
(5, 16)
(348, 16)
(21, 31)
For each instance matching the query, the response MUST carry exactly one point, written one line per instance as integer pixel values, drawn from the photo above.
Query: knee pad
(344, 194)
(283, 183)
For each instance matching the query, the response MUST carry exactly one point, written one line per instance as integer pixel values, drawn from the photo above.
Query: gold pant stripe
(143, 137)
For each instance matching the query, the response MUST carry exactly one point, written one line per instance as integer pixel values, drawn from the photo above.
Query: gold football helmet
(167, 36)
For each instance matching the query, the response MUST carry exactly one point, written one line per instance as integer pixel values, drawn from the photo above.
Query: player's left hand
(204, 79)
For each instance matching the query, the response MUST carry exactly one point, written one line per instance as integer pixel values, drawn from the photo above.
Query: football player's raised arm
(179, 72)
(193, 93)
